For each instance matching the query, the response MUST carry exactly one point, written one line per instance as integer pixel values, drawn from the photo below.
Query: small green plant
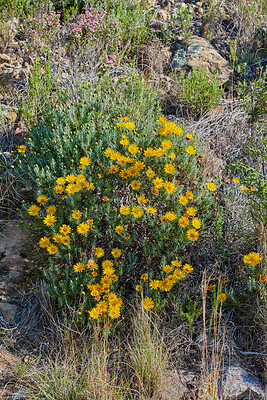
(198, 93)
(39, 93)
(254, 96)
(149, 358)
(190, 312)
(20, 368)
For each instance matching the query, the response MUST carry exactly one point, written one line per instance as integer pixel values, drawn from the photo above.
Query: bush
(198, 93)
(122, 205)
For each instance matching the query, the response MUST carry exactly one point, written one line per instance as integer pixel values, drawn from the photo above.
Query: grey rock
(240, 384)
(8, 311)
(178, 59)
(194, 49)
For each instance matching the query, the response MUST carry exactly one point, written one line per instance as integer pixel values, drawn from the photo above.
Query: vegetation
(144, 195)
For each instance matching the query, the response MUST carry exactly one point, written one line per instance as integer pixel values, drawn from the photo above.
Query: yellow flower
(133, 171)
(148, 303)
(125, 173)
(187, 268)
(163, 219)
(168, 269)
(124, 141)
(183, 200)
(166, 285)
(105, 198)
(162, 120)
(42, 199)
(211, 186)
(50, 220)
(120, 124)
(144, 277)
(94, 313)
(124, 119)
(252, 258)
(57, 238)
(72, 188)
(85, 161)
(59, 189)
(159, 152)
(114, 313)
(135, 185)
(177, 263)
(139, 165)
(60, 181)
(70, 178)
(244, 189)
(83, 228)
(119, 229)
(151, 210)
(52, 249)
(33, 210)
(142, 199)
(99, 252)
(137, 211)
(169, 168)
(44, 242)
(191, 211)
(154, 284)
(158, 182)
(51, 210)
(262, 278)
(191, 150)
(183, 222)
(79, 267)
(189, 136)
(116, 252)
(65, 240)
(211, 288)
(172, 156)
(22, 148)
(149, 152)
(107, 263)
(133, 149)
(170, 128)
(189, 195)
(170, 215)
(150, 173)
(129, 125)
(113, 169)
(236, 180)
(170, 187)
(196, 223)
(178, 274)
(108, 271)
(192, 235)
(65, 229)
(138, 288)
(76, 214)
(154, 191)
(166, 144)
(125, 210)
(222, 297)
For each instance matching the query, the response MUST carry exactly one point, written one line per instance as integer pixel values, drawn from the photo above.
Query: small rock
(178, 59)
(4, 58)
(8, 311)
(240, 384)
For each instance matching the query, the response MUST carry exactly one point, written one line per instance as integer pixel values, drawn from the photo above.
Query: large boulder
(201, 54)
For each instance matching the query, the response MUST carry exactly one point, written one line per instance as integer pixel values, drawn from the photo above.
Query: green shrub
(198, 93)
(110, 186)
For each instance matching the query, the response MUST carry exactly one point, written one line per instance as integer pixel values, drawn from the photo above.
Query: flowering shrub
(127, 208)
(46, 26)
